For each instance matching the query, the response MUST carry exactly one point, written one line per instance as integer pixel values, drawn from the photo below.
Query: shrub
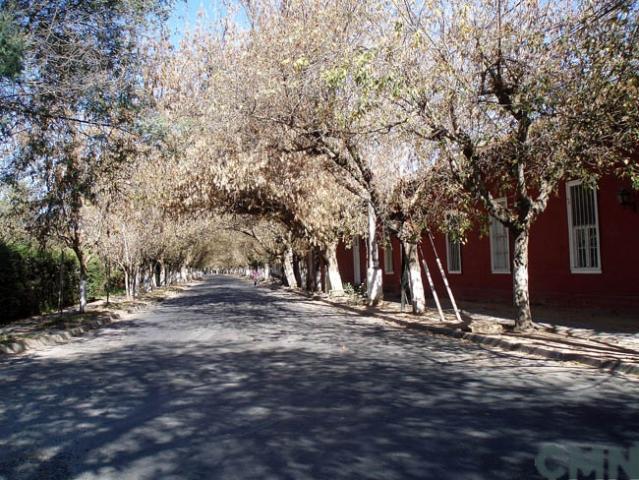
(30, 280)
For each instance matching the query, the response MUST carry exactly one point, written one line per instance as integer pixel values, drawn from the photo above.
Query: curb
(47, 339)
(612, 365)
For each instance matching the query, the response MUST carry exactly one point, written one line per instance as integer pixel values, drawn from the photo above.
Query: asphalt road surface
(232, 381)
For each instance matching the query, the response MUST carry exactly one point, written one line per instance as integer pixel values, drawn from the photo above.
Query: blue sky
(185, 15)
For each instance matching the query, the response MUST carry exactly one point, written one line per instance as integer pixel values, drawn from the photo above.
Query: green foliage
(354, 290)
(349, 289)
(335, 77)
(12, 46)
(30, 280)
(96, 279)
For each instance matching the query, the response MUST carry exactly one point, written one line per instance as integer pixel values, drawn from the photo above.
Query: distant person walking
(254, 276)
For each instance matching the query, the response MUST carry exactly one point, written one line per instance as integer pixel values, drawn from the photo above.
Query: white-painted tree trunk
(335, 286)
(151, 274)
(127, 284)
(317, 270)
(61, 283)
(266, 274)
(289, 273)
(521, 294)
(83, 291)
(418, 297)
(83, 278)
(374, 282)
(136, 283)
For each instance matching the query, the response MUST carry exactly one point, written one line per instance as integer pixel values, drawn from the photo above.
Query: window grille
(583, 228)
(499, 245)
(453, 255)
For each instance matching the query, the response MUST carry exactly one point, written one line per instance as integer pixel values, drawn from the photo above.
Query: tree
(496, 85)
(316, 70)
(230, 161)
(69, 85)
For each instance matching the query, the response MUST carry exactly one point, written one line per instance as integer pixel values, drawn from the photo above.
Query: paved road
(231, 381)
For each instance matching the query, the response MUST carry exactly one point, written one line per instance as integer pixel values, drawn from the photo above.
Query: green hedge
(97, 280)
(30, 280)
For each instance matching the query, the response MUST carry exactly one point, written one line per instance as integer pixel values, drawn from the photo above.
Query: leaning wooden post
(432, 286)
(444, 278)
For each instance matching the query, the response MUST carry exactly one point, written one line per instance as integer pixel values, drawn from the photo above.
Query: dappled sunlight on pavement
(232, 381)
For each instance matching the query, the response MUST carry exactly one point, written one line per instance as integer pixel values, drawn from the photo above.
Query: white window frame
(448, 256)
(388, 258)
(493, 221)
(573, 269)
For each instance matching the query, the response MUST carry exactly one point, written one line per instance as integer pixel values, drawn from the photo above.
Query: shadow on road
(288, 395)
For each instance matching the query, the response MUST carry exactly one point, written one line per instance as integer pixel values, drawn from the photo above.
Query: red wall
(345, 263)
(346, 267)
(551, 280)
(392, 282)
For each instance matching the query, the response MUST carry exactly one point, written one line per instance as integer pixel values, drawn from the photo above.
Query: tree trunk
(267, 272)
(289, 274)
(157, 274)
(141, 276)
(83, 278)
(296, 272)
(107, 284)
(335, 286)
(184, 274)
(310, 272)
(374, 284)
(127, 285)
(313, 275)
(317, 269)
(61, 283)
(83, 286)
(521, 296)
(417, 295)
(134, 283)
(150, 271)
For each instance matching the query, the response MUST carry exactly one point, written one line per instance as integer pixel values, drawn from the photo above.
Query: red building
(584, 250)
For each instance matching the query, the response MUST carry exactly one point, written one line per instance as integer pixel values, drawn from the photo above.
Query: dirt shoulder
(55, 328)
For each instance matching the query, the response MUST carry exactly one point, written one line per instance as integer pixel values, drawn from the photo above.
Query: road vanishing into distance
(231, 381)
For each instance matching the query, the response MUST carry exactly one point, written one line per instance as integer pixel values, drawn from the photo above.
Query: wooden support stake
(432, 286)
(444, 278)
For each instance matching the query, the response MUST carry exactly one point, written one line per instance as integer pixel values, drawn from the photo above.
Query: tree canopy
(286, 127)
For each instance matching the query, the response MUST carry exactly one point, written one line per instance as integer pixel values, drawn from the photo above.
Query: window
(583, 228)
(388, 257)
(499, 244)
(453, 255)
